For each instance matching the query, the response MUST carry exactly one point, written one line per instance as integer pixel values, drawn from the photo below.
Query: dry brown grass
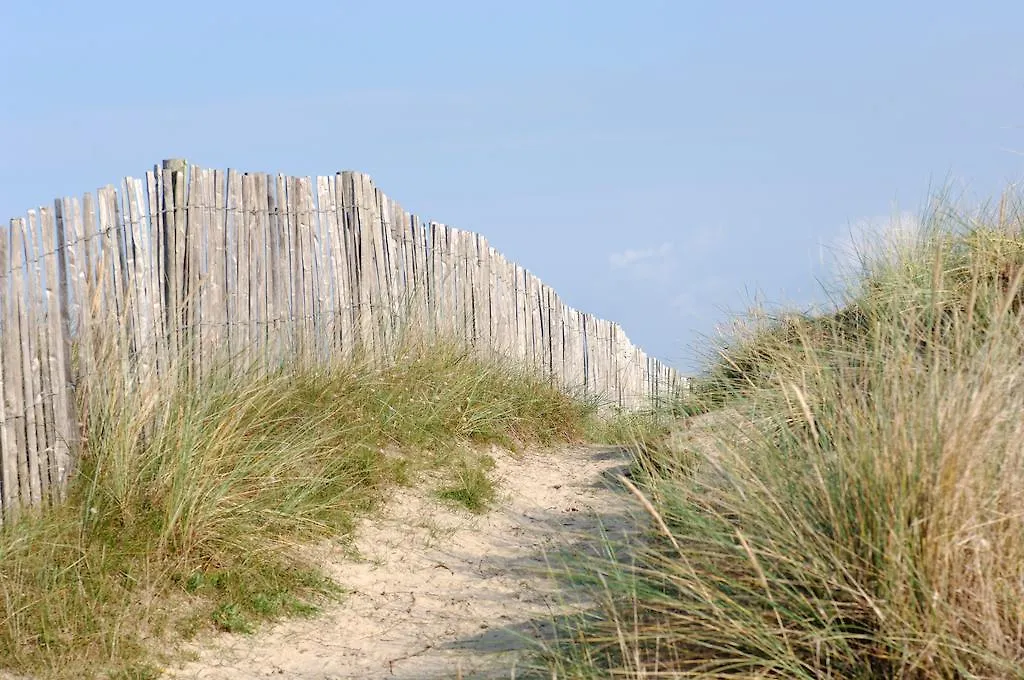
(865, 518)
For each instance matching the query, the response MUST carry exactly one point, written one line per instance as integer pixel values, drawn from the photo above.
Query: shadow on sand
(573, 536)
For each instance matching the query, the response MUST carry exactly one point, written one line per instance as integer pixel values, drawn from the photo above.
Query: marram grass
(856, 507)
(192, 500)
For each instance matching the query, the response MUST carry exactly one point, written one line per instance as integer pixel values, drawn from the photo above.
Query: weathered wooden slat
(405, 273)
(496, 294)
(250, 269)
(456, 314)
(467, 264)
(518, 321)
(296, 300)
(367, 271)
(62, 431)
(134, 283)
(512, 318)
(409, 317)
(571, 348)
(216, 284)
(434, 275)
(12, 409)
(330, 274)
(306, 279)
(367, 282)
(546, 335)
(444, 312)
(168, 176)
(122, 267)
(499, 303)
(156, 221)
(255, 201)
(401, 272)
(602, 357)
(523, 319)
(67, 425)
(575, 337)
(508, 284)
(529, 320)
(555, 330)
(268, 297)
(615, 364)
(588, 377)
(379, 303)
(594, 355)
(488, 292)
(394, 245)
(108, 297)
(174, 179)
(206, 254)
(349, 242)
(236, 275)
(431, 274)
(320, 267)
(478, 290)
(72, 292)
(279, 300)
(317, 281)
(32, 327)
(385, 269)
(17, 394)
(79, 318)
(536, 323)
(193, 240)
(385, 273)
(299, 249)
(419, 264)
(40, 289)
(192, 245)
(289, 309)
(137, 251)
(93, 304)
(462, 306)
(80, 313)
(455, 279)
(148, 266)
(342, 258)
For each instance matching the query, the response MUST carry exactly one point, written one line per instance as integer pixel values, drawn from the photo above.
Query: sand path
(441, 593)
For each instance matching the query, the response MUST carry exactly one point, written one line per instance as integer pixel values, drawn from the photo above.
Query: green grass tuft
(469, 484)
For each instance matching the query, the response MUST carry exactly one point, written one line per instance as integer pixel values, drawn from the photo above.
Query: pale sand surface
(436, 592)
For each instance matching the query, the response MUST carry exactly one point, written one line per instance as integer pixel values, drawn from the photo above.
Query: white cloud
(870, 241)
(649, 264)
(696, 301)
(630, 257)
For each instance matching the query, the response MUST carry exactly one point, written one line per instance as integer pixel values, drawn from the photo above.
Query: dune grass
(856, 508)
(193, 500)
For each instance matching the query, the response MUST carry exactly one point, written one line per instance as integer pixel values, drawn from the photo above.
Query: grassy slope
(192, 501)
(858, 509)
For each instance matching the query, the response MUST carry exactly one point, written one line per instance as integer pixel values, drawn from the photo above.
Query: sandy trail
(438, 592)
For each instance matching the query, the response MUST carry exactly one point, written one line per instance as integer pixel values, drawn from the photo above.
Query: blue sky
(658, 163)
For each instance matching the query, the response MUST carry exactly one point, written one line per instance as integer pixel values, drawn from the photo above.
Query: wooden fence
(258, 270)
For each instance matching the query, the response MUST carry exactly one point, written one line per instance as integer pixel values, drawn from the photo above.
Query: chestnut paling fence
(206, 268)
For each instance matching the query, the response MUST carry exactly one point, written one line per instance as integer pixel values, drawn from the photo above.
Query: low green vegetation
(192, 500)
(469, 484)
(851, 503)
